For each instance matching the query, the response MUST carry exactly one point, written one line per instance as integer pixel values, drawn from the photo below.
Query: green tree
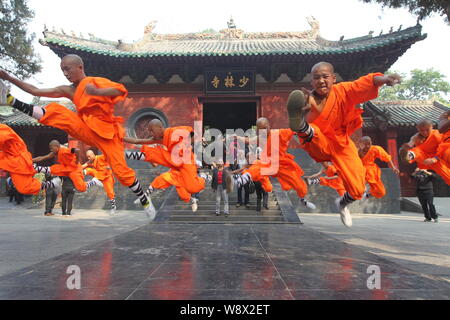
(421, 8)
(427, 84)
(17, 54)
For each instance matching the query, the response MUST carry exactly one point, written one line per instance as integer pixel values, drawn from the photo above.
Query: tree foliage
(17, 54)
(421, 8)
(427, 84)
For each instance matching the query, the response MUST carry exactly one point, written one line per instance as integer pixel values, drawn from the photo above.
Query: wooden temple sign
(230, 81)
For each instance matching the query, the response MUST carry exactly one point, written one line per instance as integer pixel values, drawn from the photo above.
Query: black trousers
(246, 195)
(426, 201)
(67, 196)
(261, 195)
(50, 200)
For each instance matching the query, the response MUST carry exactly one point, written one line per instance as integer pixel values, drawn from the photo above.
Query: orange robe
(100, 169)
(373, 172)
(95, 124)
(15, 159)
(429, 149)
(183, 175)
(288, 173)
(68, 166)
(335, 184)
(338, 120)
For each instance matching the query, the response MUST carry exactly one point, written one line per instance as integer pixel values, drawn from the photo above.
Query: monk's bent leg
(289, 180)
(351, 170)
(377, 189)
(114, 152)
(26, 184)
(189, 178)
(78, 181)
(318, 148)
(108, 186)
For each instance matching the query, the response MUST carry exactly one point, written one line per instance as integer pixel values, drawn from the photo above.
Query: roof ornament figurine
(231, 24)
(150, 27)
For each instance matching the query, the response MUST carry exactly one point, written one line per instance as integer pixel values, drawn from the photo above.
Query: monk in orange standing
(15, 159)
(94, 122)
(171, 148)
(287, 171)
(97, 167)
(423, 149)
(327, 177)
(368, 153)
(324, 120)
(67, 166)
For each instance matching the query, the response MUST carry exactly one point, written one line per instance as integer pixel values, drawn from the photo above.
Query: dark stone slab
(215, 262)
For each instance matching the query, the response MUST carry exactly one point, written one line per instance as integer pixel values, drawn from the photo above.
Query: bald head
(365, 143)
(156, 129)
(424, 123)
(73, 68)
(90, 155)
(54, 146)
(54, 143)
(322, 65)
(73, 59)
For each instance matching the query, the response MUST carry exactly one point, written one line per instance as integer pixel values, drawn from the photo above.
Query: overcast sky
(113, 20)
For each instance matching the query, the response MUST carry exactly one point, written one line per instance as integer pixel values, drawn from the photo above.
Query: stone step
(223, 218)
(234, 212)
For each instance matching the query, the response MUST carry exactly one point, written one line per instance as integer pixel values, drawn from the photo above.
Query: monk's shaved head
(55, 143)
(424, 123)
(156, 123)
(73, 59)
(322, 65)
(366, 139)
(262, 122)
(90, 153)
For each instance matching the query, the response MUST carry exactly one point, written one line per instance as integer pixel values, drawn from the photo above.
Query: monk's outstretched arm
(389, 80)
(58, 92)
(43, 158)
(394, 168)
(140, 141)
(316, 175)
(102, 92)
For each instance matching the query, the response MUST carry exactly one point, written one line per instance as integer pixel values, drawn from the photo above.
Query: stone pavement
(123, 257)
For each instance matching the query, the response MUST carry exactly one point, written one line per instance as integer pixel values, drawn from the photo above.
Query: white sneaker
(346, 217)
(97, 182)
(112, 212)
(310, 205)
(194, 204)
(150, 210)
(57, 184)
(3, 92)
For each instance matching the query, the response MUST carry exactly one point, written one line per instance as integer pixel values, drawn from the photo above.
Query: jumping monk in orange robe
(171, 148)
(67, 166)
(368, 153)
(276, 162)
(97, 167)
(94, 122)
(443, 151)
(327, 177)
(326, 118)
(15, 159)
(423, 149)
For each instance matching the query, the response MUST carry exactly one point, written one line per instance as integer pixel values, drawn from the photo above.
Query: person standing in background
(425, 192)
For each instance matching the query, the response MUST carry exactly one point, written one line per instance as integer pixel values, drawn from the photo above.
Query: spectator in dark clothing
(50, 197)
(67, 195)
(219, 185)
(261, 195)
(237, 168)
(14, 195)
(425, 193)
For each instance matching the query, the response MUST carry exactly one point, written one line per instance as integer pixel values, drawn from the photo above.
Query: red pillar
(391, 136)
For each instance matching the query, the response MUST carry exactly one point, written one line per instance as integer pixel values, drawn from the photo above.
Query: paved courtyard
(123, 257)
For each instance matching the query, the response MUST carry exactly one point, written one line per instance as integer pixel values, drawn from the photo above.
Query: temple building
(229, 78)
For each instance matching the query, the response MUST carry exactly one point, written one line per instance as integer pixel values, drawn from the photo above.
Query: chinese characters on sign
(233, 81)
